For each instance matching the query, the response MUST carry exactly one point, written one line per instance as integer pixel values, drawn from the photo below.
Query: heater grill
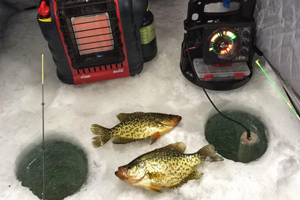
(93, 33)
(114, 67)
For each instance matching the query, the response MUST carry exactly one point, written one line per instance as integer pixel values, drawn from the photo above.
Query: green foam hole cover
(66, 170)
(225, 135)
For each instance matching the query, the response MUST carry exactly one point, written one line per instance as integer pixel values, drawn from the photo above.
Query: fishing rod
(43, 126)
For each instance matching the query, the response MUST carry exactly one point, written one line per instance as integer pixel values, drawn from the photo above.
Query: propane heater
(95, 40)
(219, 44)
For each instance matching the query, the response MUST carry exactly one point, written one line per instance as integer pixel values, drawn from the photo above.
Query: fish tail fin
(103, 135)
(209, 151)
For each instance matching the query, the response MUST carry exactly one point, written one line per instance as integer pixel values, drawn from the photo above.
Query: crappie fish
(134, 127)
(166, 167)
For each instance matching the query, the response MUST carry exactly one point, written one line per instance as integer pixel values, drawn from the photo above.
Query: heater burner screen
(93, 33)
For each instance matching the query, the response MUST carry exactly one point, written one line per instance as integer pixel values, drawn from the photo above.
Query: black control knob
(244, 52)
(245, 42)
(246, 34)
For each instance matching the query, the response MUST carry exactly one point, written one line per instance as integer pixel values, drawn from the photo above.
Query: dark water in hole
(225, 136)
(66, 169)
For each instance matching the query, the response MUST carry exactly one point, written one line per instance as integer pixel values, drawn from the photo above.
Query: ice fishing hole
(229, 138)
(66, 169)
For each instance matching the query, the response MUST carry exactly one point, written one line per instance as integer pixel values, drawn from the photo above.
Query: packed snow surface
(70, 110)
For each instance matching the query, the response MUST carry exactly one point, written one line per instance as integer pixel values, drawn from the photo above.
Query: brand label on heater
(85, 76)
(118, 71)
(147, 34)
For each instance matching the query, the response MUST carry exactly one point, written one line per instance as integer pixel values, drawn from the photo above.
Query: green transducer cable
(212, 103)
(287, 102)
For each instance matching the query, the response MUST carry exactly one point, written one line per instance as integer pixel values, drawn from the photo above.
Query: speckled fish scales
(134, 127)
(167, 167)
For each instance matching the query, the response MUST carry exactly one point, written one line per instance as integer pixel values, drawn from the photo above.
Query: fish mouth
(174, 122)
(178, 119)
(122, 173)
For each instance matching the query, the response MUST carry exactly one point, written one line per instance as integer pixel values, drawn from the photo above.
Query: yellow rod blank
(43, 69)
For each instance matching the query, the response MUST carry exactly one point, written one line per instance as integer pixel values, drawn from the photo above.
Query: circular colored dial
(223, 43)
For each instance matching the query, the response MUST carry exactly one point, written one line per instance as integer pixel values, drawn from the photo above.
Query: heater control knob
(44, 10)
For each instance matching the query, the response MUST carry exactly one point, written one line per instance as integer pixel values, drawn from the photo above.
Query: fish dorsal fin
(178, 146)
(128, 116)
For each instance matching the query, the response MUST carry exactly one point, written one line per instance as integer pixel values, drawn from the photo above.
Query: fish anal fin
(180, 184)
(196, 175)
(155, 189)
(120, 140)
(155, 137)
(192, 176)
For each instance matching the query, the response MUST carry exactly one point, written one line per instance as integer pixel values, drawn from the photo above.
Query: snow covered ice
(70, 111)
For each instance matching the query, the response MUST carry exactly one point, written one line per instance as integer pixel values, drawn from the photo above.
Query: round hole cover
(66, 170)
(230, 139)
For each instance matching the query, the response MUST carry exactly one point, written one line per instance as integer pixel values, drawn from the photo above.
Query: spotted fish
(134, 127)
(167, 167)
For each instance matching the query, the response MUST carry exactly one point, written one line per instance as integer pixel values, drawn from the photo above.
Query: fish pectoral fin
(155, 189)
(156, 175)
(155, 137)
(120, 140)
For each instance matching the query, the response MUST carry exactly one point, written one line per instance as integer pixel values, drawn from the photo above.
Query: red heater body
(96, 40)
